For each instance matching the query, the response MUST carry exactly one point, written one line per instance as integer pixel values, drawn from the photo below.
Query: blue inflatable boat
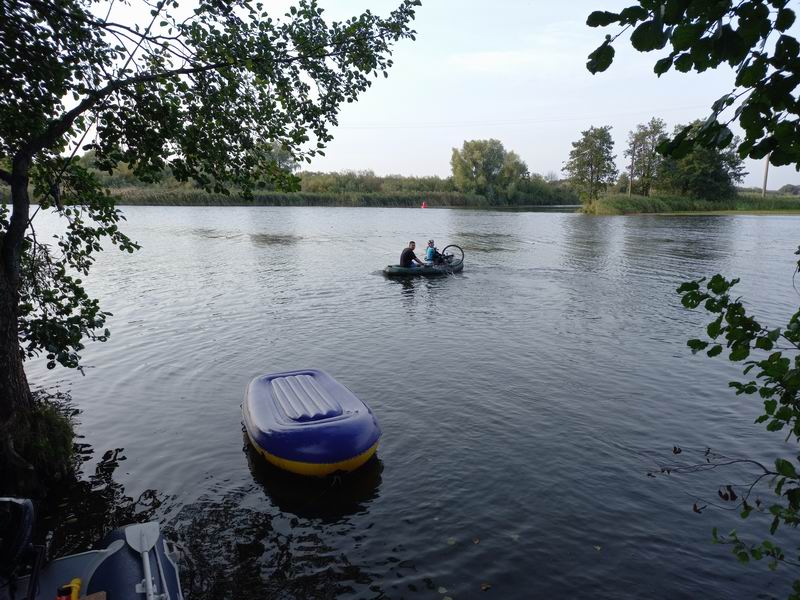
(308, 423)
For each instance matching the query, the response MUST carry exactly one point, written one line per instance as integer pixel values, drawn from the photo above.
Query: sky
(513, 70)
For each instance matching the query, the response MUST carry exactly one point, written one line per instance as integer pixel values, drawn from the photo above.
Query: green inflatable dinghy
(452, 261)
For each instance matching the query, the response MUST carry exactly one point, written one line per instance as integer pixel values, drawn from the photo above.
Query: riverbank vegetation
(147, 196)
(701, 178)
(623, 204)
(486, 175)
(505, 184)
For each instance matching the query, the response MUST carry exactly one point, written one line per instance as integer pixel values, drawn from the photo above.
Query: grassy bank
(156, 196)
(622, 204)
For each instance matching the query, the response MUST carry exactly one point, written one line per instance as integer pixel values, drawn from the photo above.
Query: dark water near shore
(522, 403)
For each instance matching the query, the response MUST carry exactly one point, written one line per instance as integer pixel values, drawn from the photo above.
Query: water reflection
(234, 549)
(83, 510)
(212, 233)
(273, 239)
(479, 241)
(591, 243)
(325, 498)
(651, 239)
(422, 291)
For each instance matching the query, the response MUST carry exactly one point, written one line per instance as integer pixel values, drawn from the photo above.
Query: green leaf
(731, 46)
(674, 11)
(601, 58)
(739, 352)
(714, 328)
(785, 468)
(715, 350)
(785, 19)
(764, 343)
(633, 14)
(718, 284)
(649, 36)
(696, 345)
(685, 35)
(662, 66)
(689, 286)
(752, 74)
(601, 18)
(724, 137)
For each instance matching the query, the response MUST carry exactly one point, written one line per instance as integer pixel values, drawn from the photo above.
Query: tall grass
(621, 204)
(189, 197)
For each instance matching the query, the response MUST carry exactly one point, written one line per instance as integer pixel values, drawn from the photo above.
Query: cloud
(554, 49)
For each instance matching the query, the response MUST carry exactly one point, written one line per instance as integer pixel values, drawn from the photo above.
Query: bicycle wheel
(453, 255)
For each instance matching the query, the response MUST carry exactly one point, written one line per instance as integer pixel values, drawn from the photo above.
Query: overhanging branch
(5, 176)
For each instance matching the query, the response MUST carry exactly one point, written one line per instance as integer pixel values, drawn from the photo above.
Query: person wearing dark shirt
(408, 258)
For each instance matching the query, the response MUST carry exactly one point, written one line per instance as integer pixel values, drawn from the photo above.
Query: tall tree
(591, 161)
(703, 35)
(706, 173)
(513, 175)
(642, 153)
(485, 167)
(200, 94)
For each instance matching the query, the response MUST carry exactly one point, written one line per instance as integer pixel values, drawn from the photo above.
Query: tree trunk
(16, 401)
(15, 394)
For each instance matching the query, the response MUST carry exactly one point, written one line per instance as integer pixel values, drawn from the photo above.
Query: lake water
(522, 403)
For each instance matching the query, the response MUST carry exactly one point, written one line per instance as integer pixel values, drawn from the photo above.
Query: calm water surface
(522, 403)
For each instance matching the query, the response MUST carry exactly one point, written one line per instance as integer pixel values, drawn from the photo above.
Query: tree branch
(60, 126)
(5, 176)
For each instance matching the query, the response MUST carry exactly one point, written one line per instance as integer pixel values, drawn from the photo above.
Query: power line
(515, 122)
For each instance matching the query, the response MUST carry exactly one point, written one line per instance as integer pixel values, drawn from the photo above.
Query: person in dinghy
(408, 258)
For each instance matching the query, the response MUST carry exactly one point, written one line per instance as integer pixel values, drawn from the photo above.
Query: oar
(142, 538)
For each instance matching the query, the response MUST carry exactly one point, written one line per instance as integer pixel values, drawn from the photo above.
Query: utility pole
(766, 173)
(630, 177)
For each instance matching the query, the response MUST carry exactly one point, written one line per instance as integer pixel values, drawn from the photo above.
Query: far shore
(606, 205)
(622, 204)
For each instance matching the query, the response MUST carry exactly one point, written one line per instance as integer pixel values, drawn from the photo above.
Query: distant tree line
(483, 173)
(702, 173)
(486, 170)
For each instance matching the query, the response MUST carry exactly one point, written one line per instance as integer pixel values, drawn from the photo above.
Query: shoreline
(622, 204)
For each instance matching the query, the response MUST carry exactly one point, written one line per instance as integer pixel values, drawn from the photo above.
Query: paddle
(143, 538)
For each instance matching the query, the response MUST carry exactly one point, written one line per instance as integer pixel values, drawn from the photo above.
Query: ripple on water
(522, 403)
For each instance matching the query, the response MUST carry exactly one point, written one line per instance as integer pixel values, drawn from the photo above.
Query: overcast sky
(513, 70)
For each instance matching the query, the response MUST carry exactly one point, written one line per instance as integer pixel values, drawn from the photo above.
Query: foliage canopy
(591, 166)
(206, 96)
(485, 167)
(705, 173)
(751, 36)
(642, 151)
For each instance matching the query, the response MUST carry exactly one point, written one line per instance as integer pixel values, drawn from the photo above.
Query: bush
(622, 204)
